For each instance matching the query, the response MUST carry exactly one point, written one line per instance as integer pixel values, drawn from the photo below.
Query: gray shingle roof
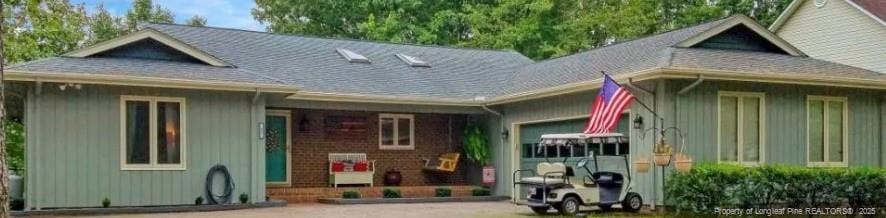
(765, 63)
(314, 65)
(144, 68)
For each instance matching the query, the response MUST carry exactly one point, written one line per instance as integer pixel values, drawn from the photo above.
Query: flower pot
(393, 178)
(683, 163)
(662, 159)
(641, 164)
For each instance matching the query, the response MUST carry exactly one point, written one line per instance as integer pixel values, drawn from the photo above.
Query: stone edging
(152, 209)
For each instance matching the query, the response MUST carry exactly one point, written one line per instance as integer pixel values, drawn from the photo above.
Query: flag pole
(636, 99)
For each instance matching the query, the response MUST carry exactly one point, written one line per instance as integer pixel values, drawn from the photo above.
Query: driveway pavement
(425, 210)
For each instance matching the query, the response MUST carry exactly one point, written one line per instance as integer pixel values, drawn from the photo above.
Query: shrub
(350, 195)
(709, 186)
(15, 146)
(244, 198)
(481, 192)
(443, 192)
(17, 204)
(391, 193)
(198, 200)
(106, 202)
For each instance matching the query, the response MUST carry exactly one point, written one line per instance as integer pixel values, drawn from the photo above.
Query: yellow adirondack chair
(446, 163)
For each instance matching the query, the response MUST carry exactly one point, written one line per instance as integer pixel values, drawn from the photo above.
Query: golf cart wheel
(605, 207)
(632, 202)
(540, 210)
(569, 206)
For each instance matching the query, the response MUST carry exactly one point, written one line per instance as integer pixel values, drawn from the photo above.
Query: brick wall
(313, 142)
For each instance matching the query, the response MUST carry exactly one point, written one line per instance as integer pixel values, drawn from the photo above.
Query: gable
(740, 32)
(742, 38)
(149, 44)
(148, 49)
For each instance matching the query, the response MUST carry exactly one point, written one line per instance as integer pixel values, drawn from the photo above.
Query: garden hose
(225, 197)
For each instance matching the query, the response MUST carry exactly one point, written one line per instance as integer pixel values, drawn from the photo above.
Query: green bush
(198, 200)
(106, 202)
(710, 186)
(350, 195)
(15, 146)
(481, 192)
(17, 204)
(443, 192)
(391, 193)
(244, 198)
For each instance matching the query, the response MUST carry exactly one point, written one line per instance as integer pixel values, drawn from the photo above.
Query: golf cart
(556, 184)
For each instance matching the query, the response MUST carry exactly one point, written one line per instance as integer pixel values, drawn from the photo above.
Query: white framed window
(152, 133)
(741, 127)
(827, 124)
(396, 131)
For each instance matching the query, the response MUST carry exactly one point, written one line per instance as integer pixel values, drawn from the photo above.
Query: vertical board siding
(785, 120)
(74, 145)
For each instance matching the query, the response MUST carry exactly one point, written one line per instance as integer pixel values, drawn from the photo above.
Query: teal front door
(277, 143)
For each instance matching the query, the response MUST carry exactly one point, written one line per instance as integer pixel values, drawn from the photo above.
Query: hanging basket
(641, 164)
(682, 162)
(662, 159)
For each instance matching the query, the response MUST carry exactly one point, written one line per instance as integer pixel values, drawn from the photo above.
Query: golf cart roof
(574, 138)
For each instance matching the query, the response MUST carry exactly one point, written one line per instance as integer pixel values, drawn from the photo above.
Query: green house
(142, 118)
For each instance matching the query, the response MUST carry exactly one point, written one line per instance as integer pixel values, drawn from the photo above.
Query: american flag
(611, 101)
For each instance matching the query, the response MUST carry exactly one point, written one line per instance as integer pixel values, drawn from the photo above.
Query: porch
(389, 141)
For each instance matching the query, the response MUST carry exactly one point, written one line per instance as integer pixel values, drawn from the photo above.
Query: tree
(143, 11)
(4, 171)
(539, 29)
(104, 26)
(196, 20)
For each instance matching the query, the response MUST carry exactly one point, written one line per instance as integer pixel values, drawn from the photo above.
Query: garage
(531, 154)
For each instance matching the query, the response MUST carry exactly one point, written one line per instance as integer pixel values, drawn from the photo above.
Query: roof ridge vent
(413, 61)
(352, 56)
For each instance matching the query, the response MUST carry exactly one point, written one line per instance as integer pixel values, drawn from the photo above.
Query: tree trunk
(4, 171)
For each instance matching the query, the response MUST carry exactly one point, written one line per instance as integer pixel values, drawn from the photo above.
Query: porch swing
(446, 163)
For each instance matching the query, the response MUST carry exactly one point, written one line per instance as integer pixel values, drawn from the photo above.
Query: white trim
(792, 8)
(288, 116)
(396, 139)
(381, 99)
(736, 20)
(125, 80)
(149, 33)
(152, 164)
(826, 151)
(740, 132)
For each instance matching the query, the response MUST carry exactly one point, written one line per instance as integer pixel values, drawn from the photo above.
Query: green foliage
(196, 20)
(391, 193)
(443, 192)
(17, 204)
(539, 29)
(476, 145)
(726, 186)
(350, 195)
(106, 202)
(198, 200)
(15, 146)
(104, 26)
(144, 11)
(244, 198)
(479, 191)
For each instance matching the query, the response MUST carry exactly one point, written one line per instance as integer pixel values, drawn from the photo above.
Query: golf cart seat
(555, 173)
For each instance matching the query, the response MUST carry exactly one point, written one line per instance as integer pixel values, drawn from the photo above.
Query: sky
(218, 13)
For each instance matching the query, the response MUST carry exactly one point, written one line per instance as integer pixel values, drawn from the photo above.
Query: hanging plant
(476, 145)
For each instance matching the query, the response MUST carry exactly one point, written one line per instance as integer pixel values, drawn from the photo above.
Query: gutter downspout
(691, 86)
(501, 154)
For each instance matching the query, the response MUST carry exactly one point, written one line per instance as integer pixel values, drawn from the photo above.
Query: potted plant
(662, 152)
(641, 164)
(476, 147)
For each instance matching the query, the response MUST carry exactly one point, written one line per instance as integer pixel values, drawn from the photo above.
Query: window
(827, 122)
(741, 128)
(152, 133)
(396, 132)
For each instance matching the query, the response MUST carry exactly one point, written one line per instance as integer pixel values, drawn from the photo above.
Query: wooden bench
(446, 163)
(349, 176)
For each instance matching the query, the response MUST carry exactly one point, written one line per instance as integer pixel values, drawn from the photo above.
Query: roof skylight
(413, 61)
(352, 56)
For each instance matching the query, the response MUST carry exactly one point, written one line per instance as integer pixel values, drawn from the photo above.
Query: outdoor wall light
(638, 122)
(70, 85)
(504, 134)
(304, 124)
